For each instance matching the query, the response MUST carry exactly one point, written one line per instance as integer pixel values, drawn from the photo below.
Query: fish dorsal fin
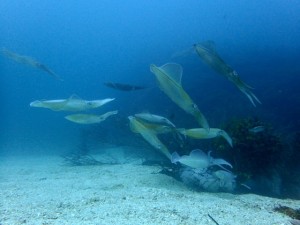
(210, 45)
(74, 97)
(174, 70)
(197, 153)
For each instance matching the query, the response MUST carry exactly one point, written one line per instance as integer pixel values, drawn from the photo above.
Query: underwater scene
(150, 112)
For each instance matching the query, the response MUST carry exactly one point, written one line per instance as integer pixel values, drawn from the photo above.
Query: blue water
(88, 43)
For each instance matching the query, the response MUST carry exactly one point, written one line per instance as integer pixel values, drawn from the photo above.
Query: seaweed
(253, 154)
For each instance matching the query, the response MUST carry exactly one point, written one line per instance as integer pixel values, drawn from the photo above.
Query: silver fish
(73, 103)
(152, 118)
(198, 159)
(89, 118)
(257, 129)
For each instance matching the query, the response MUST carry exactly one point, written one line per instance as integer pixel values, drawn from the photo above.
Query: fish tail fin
(226, 137)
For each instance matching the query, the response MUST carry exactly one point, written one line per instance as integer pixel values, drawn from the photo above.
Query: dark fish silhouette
(123, 87)
(28, 61)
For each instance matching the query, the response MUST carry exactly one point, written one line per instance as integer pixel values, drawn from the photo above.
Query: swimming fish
(201, 133)
(257, 129)
(123, 87)
(148, 135)
(169, 81)
(159, 125)
(208, 54)
(152, 118)
(198, 159)
(73, 103)
(28, 61)
(89, 118)
(156, 128)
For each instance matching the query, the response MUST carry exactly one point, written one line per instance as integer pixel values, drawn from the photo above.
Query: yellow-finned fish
(148, 135)
(169, 81)
(89, 118)
(209, 56)
(200, 133)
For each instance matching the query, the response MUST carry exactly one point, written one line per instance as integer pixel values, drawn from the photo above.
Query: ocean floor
(44, 190)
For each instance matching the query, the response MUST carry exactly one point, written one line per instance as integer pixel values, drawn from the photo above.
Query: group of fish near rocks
(149, 125)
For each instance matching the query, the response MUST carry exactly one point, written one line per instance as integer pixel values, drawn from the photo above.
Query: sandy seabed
(42, 190)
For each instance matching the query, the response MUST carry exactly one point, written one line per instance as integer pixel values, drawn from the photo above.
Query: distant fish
(198, 159)
(257, 129)
(89, 118)
(123, 87)
(28, 61)
(207, 52)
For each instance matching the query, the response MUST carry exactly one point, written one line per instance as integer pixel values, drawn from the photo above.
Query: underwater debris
(293, 213)
(209, 55)
(123, 87)
(213, 219)
(169, 80)
(28, 61)
(208, 180)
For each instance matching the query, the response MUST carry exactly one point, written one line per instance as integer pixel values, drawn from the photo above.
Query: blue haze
(91, 42)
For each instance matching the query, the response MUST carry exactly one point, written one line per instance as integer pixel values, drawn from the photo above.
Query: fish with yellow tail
(89, 118)
(159, 125)
(200, 133)
(169, 80)
(149, 135)
(209, 55)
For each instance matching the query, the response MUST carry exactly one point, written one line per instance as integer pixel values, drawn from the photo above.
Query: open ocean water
(74, 52)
